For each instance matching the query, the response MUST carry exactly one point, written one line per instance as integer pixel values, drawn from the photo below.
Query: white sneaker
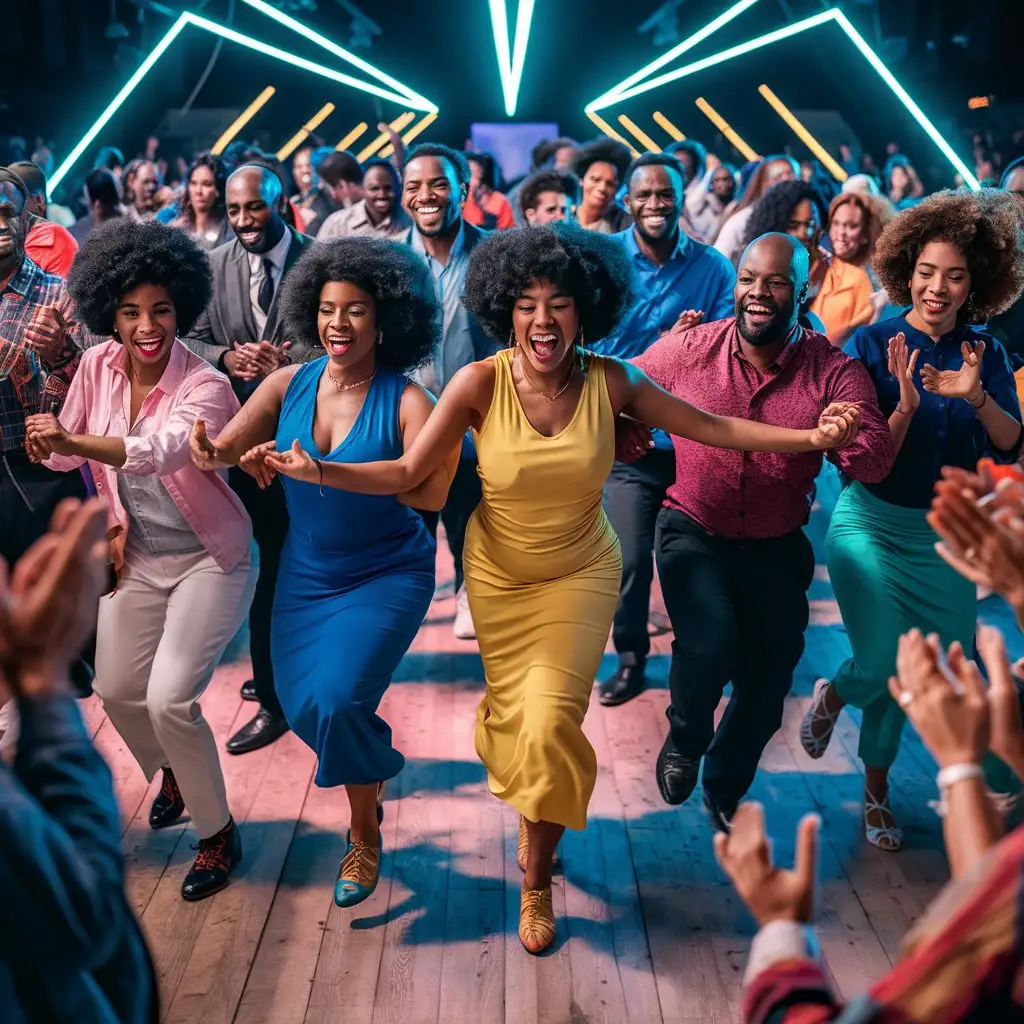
(463, 627)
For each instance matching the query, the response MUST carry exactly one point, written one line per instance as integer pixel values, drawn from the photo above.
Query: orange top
(844, 301)
(51, 247)
(497, 206)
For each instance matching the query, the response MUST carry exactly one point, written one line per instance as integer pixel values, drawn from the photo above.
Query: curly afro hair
(593, 268)
(773, 210)
(602, 150)
(121, 254)
(408, 315)
(985, 226)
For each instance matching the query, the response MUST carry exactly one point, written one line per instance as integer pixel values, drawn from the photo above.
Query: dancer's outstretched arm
(463, 404)
(635, 394)
(417, 407)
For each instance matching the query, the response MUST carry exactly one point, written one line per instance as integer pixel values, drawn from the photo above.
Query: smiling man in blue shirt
(674, 273)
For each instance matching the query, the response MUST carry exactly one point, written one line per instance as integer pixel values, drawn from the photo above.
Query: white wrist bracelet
(954, 773)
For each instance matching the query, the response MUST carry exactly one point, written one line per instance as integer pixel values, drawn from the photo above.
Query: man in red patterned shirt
(732, 556)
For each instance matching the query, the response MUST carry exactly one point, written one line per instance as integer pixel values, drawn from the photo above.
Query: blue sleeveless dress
(356, 581)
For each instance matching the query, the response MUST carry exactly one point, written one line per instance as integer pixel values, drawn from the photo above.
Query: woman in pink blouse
(180, 538)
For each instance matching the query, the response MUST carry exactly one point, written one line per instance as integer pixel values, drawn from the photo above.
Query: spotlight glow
(420, 126)
(824, 18)
(236, 37)
(725, 128)
(639, 134)
(802, 133)
(305, 131)
(242, 120)
(608, 130)
(357, 132)
(663, 122)
(511, 60)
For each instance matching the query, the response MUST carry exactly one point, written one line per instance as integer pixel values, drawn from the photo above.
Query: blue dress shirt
(695, 276)
(943, 431)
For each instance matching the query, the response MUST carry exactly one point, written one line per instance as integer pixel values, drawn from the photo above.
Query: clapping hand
(902, 368)
(294, 463)
(770, 893)
(47, 333)
(837, 426)
(254, 462)
(962, 383)
(252, 360)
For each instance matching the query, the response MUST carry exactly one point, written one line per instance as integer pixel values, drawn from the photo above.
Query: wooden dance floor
(649, 928)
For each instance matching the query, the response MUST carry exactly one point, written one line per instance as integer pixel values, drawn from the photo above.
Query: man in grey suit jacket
(241, 333)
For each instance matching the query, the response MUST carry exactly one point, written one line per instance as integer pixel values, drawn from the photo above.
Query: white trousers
(158, 641)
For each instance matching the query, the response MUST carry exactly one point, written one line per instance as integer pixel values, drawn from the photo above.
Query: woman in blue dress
(357, 571)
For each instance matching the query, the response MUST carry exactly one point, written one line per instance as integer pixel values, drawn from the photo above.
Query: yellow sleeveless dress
(543, 568)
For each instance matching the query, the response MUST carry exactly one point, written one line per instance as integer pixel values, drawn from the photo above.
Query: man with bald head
(732, 556)
(242, 334)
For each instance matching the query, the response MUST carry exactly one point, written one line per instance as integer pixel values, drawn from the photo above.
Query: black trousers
(633, 496)
(739, 610)
(463, 497)
(269, 516)
(29, 494)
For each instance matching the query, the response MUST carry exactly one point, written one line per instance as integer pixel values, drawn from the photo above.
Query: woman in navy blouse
(956, 259)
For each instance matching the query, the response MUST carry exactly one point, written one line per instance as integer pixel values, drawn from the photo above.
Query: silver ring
(906, 698)
(970, 553)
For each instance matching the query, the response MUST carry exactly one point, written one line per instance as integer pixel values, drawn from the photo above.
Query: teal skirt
(888, 579)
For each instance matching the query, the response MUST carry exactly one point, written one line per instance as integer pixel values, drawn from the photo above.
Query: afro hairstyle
(122, 254)
(603, 150)
(985, 226)
(408, 314)
(773, 210)
(593, 268)
(564, 182)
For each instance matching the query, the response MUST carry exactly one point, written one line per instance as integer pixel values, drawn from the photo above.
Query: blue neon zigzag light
(511, 60)
(633, 86)
(397, 93)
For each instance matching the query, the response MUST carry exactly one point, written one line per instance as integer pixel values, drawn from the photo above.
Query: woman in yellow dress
(542, 562)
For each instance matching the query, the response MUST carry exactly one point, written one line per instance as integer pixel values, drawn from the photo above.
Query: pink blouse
(98, 403)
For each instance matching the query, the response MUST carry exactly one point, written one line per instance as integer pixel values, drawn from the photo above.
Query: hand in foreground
(949, 710)
(633, 439)
(44, 437)
(254, 462)
(49, 602)
(770, 893)
(1006, 737)
(902, 368)
(962, 383)
(837, 427)
(294, 463)
(47, 333)
(203, 450)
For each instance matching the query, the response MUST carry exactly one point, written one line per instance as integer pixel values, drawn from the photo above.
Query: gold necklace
(533, 387)
(348, 387)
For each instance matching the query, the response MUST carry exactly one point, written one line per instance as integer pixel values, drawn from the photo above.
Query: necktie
(266, 292)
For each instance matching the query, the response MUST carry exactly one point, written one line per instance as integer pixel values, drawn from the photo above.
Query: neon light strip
(511, 60)
(663, 122)
(606, 99)
(639, 134)
(241, 121)
(832, 15)
(396, 126)
(305, 131)
(801, 132)
(608, 130)
(420, 126)
(357, 132)
(414, 98)
(725, 128)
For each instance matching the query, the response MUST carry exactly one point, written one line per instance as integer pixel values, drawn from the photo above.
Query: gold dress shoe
(536, 920)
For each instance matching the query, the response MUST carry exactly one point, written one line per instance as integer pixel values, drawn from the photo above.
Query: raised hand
(962, 383)
(838, 426)
(203, 450)
(47, 333)
(254, 462)
(687, 319)
(49, 602)
(632, 439)
(294, 463)
(770, 893)
(902, 368)
(1006, 733)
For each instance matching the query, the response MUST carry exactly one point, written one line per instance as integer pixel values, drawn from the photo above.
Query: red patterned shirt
(762, 494)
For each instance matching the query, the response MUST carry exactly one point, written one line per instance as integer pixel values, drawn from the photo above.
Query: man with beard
(733, 559)
(242, 334)
(673, 273)
(436, 185)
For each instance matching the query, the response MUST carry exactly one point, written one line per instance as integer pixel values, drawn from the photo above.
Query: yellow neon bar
(305, 131)
(663, 122)
(397, 125)
(639, 134)
(725, 128)
(242, 120)
(359, 130)
(420, 126)
(611, 132)
(802, 133)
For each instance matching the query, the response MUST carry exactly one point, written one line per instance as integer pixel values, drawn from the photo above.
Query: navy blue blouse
(943, 431)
